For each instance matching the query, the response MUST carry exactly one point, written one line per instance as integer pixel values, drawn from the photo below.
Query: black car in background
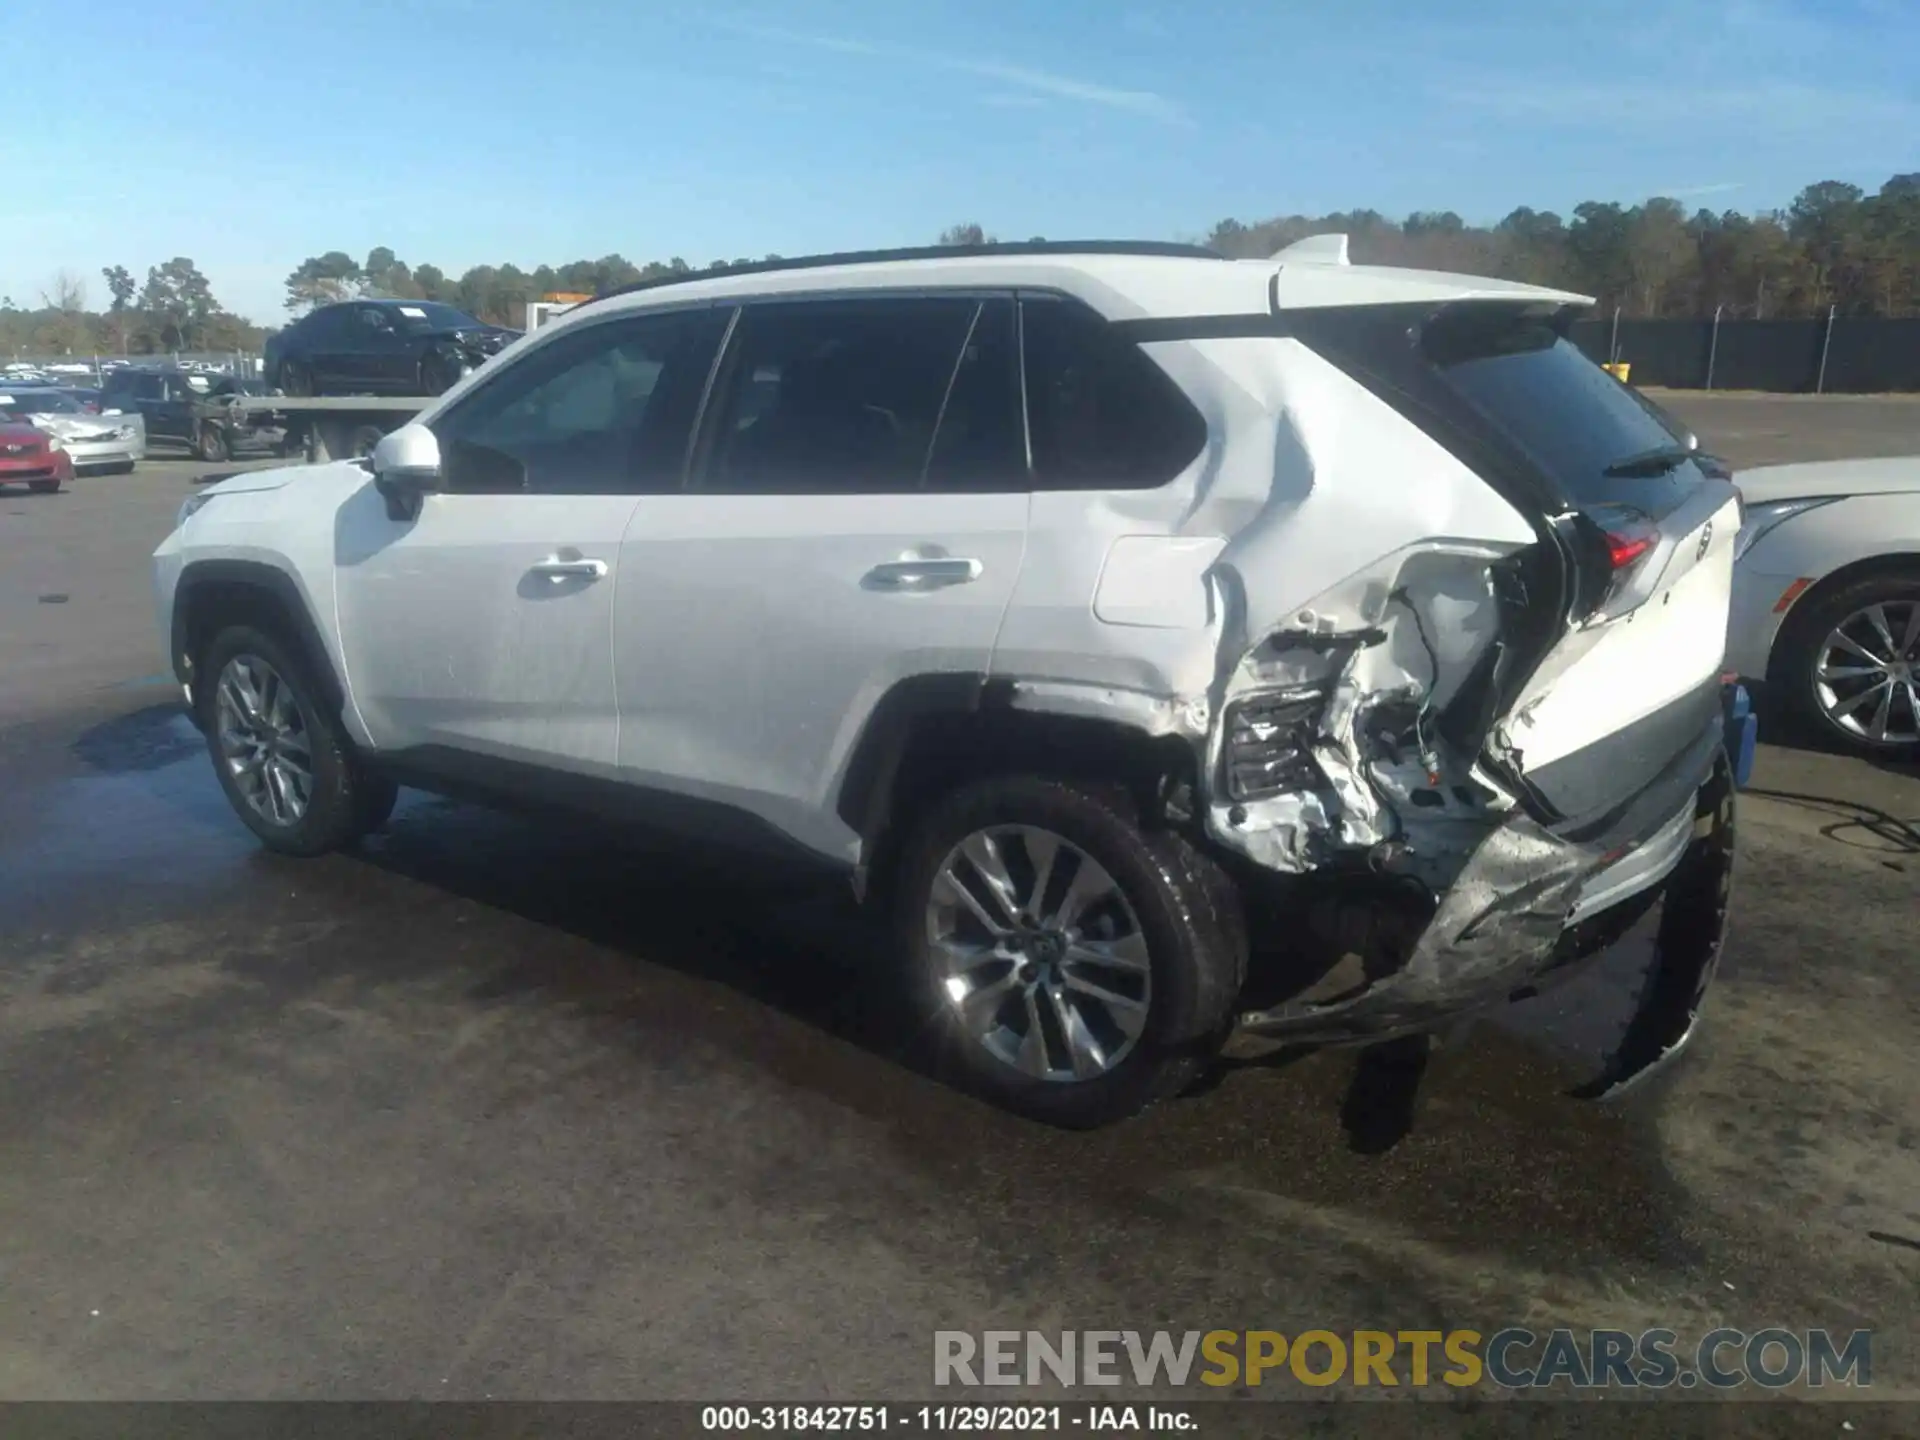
(380, 347)
(194, 409)
(87, 397)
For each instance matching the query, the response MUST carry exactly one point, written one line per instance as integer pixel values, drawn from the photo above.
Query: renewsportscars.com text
(1513, 1358)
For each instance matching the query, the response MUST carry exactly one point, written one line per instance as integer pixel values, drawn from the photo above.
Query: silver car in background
(97, 444)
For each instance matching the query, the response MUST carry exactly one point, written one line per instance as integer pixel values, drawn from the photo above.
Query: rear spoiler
(1314, 250)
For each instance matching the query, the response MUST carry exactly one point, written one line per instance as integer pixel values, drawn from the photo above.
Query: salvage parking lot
(503, 1107)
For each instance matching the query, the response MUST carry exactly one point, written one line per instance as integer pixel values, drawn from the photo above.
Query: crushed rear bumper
(1506, 928)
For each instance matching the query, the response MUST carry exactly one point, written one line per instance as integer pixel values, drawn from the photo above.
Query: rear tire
(1814, 638)
(44, 487)
(1163, 914)
(273, 715)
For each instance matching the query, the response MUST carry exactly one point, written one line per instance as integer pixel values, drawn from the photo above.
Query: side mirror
(406, 468)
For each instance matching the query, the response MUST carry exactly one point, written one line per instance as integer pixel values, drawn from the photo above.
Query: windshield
(21, 403)
(1576, 420)
(431, 315)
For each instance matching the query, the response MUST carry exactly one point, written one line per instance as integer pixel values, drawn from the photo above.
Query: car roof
(1120, 279)
(384, 301)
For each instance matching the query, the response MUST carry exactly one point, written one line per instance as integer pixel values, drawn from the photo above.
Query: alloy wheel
(1866, 673)
(1041, 957)
(263, 740)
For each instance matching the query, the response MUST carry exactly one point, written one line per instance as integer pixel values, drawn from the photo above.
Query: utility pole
(1826, 344)
(1713, 345)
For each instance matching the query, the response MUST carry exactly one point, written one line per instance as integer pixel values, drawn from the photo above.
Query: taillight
(1613, 540)
(1630, 534)
(1624, 549)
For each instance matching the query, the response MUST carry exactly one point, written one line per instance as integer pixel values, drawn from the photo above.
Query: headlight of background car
(1758, 520)
(192, 506)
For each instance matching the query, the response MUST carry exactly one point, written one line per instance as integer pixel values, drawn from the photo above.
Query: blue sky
(251, 136)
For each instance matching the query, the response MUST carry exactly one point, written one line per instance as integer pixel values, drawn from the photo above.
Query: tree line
(1835, 245)
(497, 293)
(174, 310)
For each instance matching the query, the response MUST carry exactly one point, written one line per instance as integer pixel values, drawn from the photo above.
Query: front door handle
(556, 569)
(916, 575)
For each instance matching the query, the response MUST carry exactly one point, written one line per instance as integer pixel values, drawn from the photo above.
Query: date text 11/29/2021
(973, 1419)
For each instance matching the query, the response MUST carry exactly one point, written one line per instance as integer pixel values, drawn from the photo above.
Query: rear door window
(1583, 427)
(1101, 414)
(327, 326)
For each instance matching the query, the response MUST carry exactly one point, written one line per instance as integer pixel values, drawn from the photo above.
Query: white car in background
(1826, 597)
(97, 444)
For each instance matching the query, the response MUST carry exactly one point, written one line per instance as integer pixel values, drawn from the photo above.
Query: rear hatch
(1613, 627)
(1647, 535)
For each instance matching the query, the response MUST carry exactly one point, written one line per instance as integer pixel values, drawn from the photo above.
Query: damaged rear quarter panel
(1313, 508)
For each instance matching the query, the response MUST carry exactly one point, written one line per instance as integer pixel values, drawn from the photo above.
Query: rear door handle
(916, 575)
(555, 568)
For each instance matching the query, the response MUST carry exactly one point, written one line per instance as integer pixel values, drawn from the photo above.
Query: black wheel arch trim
(865, 791)
(982, 717)
(253, 574)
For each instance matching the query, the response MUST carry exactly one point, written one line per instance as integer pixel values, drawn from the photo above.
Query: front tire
(283, 760)
(1073, 964)
(1848, 665)
(44, 487)
(211, 446)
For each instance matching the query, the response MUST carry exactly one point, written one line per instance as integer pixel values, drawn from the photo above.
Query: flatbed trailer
(334, 427)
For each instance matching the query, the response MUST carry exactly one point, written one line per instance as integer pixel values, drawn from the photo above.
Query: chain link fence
(1835, 354)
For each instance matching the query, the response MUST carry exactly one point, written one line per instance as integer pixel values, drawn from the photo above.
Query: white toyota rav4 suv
(1164, 644)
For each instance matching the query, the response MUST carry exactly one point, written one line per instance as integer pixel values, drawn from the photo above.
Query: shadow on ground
(677, 959)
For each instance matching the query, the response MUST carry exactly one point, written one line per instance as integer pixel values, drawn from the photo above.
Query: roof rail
(923, 252)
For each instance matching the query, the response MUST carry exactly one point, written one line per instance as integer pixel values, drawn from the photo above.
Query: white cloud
(1140, 102)
(1694, 192)
(1145, 103)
